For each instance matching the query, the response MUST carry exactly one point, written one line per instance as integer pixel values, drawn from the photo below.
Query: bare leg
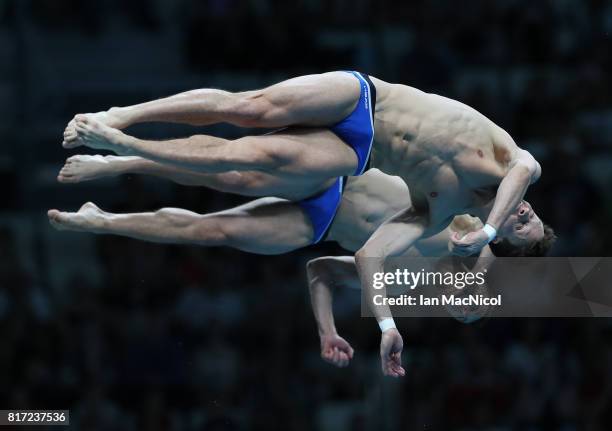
(312, 100)
(83, 167)
(305, 152)
(263, 226)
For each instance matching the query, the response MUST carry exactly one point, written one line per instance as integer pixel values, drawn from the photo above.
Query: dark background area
(136, 336)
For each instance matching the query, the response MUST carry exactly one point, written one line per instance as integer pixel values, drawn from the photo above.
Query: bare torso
(370, 199)
(367, 201)
(451, 157)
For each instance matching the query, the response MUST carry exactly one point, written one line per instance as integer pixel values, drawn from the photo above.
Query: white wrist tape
(490, 231)
(385, 324)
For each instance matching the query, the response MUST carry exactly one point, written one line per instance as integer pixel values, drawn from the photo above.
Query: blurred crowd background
(136, 336)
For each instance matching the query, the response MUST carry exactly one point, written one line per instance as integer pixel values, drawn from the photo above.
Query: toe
(54, 215)
(66, 178)
(82, 129)
(69, 128)
(71, 144)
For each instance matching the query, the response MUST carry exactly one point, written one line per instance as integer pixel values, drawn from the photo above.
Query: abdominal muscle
(367, 202)
(444, 150)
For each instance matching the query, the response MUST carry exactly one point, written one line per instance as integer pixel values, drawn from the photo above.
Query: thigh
(310, 153)
(266, 226)
(310, 100)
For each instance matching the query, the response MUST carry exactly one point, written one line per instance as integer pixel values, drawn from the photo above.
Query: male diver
(452, 158)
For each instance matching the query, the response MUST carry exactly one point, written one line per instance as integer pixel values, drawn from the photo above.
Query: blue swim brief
(357, 131)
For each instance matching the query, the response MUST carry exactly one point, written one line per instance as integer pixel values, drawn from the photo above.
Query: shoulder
(526, 163)
(509, 153)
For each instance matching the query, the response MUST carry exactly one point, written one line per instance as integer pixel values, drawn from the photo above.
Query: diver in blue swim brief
(309, 162)
(332, 127)
(356, 130)
(450, 156)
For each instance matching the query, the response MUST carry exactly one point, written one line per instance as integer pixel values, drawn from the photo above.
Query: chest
(446, 195)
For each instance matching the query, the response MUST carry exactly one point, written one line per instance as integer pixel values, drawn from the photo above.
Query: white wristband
(385, 324)
(490, 231)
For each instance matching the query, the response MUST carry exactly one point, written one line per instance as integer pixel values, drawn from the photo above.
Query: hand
(336, 350)
(470, 244)
(391, 346)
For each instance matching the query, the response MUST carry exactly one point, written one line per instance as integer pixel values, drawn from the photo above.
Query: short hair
(504, 248)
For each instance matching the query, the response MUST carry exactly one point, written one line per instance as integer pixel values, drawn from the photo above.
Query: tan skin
(446, 152)
(264, 226)
(281, 226)
(331, 273)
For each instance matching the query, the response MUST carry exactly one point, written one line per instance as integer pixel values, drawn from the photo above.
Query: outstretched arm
(525, 170)
(393, 238)
(325, 275)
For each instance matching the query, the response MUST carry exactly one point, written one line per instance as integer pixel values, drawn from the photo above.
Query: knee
(178, 224)
(209, 231)
(175, 217)
(240, 183)
(250, 153)
(252, 109)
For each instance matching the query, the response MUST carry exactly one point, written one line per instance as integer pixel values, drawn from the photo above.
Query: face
(523, 226)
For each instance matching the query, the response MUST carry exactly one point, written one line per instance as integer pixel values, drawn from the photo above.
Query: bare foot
(95, 134)
(84, 168)
(111, 118)
(89, 218)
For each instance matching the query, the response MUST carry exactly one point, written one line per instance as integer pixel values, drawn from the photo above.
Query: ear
(496, 240)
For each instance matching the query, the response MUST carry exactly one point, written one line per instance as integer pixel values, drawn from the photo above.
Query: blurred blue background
(135, 336)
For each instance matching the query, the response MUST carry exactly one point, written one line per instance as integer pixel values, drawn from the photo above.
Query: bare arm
(393, 238)
(525, 170)
(485, 260)
(325, 275)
